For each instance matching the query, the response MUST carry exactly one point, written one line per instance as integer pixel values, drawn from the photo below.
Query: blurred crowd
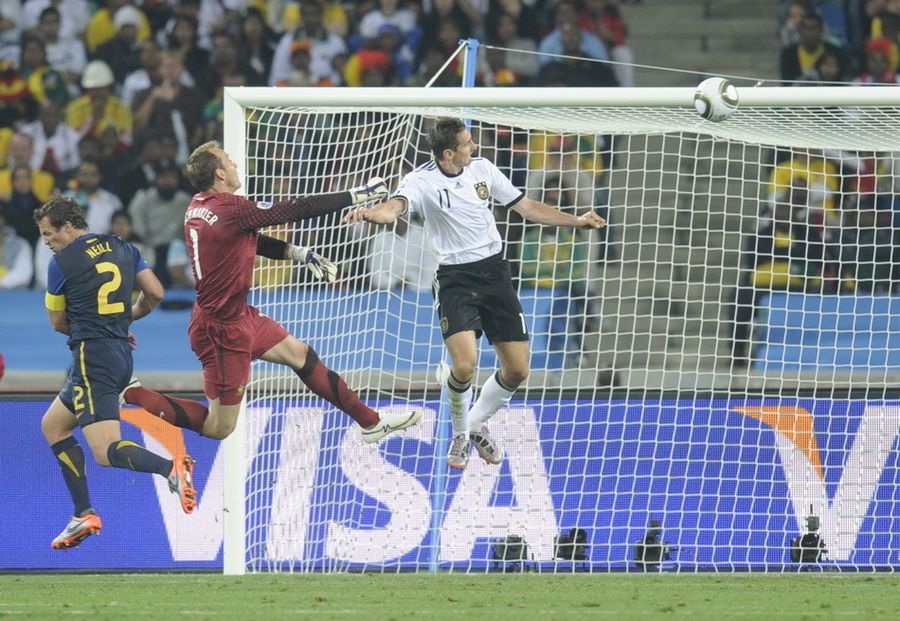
(104, 99)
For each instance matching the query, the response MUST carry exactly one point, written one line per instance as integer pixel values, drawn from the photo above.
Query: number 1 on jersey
(195, 243)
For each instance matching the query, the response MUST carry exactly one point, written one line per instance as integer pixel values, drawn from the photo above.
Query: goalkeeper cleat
(375, 189)
(133, 383)
(77, 530)
(389, 423)
(458, 455)
(485, 445)
(181, 482)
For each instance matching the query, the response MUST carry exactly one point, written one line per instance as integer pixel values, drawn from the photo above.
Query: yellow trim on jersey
(64, 458)
(87, 383)
(55, 302)
(124, 443)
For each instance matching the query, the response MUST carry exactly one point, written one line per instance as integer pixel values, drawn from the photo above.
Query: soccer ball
(715, 99)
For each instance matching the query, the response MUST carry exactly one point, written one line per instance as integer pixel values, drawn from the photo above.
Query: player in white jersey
(472, 286)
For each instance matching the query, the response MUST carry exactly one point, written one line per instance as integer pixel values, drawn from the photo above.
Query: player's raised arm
(542, 213)
(279, 250)
(383, 213)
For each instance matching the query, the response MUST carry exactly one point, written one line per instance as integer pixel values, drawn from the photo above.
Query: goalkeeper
(226, 334)
(472, 287)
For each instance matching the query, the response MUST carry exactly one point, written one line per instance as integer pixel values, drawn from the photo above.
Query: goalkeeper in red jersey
(221, 231)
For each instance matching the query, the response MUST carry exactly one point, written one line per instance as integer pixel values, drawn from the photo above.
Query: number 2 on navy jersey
(104, 305)
(444, 198)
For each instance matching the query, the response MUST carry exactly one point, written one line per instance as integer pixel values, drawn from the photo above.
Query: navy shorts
(100, 369)
(479, 296)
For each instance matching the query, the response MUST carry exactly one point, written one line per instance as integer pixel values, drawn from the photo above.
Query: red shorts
(226, 349)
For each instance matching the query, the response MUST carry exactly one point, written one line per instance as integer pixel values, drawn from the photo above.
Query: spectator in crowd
(387, 12)
(258, 41)
(103, 26)
(16, 264)
(20, 205)
(869, 249)
(21, 153)
(523, 15)
(830, 68)
(878, 67)
(284, 16)
(324, 46)
(368, 68)
(503, 31)
(65, 53)
(604, 19)
(790, 25)
(171, 107)
(442, 15)
(784, 254)
(392, 42)
(178, 264)
(98, 109)
(214, 110)
(147, 75)
(181, 38)
(576, 67)
(224, 60)
(798, 61)
(158, 214)
(121, 225)
(17, 105)
(820, 178)
(33, 59)
(73, 26)
(568, 35)
(122, 52)
(54, 144)
(558, 259)
(402, 258)
(10, 27)
(98, 204)
(301, 71)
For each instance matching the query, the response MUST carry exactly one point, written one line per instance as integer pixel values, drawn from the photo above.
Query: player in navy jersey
(221, 230)
(90, 280)
(472, 285)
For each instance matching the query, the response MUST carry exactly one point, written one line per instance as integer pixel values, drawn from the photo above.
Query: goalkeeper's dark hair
(61, 209)
(444, 135)
(202, 165)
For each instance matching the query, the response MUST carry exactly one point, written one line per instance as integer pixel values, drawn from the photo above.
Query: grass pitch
(434, 597)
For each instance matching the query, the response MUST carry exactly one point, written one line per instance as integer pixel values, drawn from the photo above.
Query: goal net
(711, 373)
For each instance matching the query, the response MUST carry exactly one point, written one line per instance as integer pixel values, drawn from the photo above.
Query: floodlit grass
(460, 597)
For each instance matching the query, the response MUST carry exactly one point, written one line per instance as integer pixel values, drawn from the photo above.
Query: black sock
(127, 454)
(71, 461)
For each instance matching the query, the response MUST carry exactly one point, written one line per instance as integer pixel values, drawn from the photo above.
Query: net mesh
(684, 407)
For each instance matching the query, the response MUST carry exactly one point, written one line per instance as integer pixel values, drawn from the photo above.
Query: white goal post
(682, 387)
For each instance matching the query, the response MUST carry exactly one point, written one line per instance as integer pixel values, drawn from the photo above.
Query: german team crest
(445, 325)
(481, 190)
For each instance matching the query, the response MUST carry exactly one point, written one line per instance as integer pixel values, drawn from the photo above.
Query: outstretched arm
(542, 213)
(279, 250)
(305, 207)
(384, 213)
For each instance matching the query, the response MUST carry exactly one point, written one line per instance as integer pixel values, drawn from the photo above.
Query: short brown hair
(61, 209)
(444, 135)
(202, 165)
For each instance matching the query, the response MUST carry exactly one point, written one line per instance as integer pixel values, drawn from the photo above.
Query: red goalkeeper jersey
(221, 231)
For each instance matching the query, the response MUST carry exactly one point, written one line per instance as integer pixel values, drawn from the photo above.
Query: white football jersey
(457, 210)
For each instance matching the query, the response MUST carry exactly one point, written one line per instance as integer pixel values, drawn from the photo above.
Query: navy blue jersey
(92, 280)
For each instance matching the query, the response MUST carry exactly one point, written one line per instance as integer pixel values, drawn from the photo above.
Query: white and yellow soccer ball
(715, 99)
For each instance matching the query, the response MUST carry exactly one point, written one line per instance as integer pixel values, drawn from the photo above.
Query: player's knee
(218, 428)
(463, 371)
(101, 455)
(515, 376)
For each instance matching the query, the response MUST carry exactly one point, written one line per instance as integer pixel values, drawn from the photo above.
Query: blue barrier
(731, 481)
(351, 330)
(848, 332)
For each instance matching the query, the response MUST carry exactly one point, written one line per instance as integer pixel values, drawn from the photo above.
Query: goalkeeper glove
(375, 189)
(317, 264)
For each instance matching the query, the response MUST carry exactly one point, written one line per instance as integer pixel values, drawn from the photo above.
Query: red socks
(329, 385)
(183, 413)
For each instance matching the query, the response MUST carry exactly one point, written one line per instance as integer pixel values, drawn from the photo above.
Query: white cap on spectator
(97, 74)
(127, 15)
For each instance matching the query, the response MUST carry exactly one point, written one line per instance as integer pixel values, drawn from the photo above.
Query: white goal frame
(236, 99)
